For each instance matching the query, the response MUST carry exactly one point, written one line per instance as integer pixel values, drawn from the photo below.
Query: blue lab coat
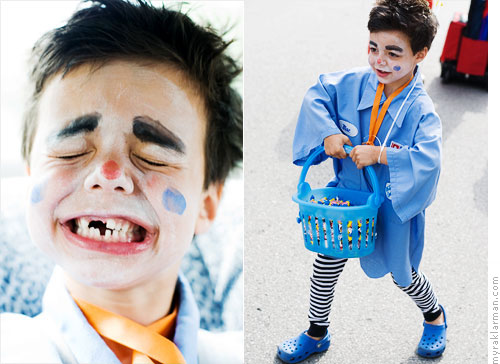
(342, 102)
(30, 340)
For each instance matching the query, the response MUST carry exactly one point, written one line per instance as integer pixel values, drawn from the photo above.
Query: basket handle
(347, 148)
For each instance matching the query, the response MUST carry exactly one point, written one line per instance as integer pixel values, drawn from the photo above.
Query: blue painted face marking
(396, 68)
(174, 201)
(37, 193)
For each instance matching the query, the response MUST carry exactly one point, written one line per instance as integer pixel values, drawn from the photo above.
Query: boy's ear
(208, 209)
(422, 54)
(28, 170)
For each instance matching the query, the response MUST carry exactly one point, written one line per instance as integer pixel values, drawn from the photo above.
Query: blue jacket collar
(188, 322)
(371, 88)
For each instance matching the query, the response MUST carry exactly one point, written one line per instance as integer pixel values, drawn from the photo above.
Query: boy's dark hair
(110, 30)
(412, 17)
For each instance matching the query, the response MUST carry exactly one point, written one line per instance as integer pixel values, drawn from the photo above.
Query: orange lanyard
(147, 342)
(375, 121)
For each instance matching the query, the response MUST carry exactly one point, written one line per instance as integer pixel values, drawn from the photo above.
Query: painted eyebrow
(83, 124)
(394, 48)
(149, 130)
(389, 47)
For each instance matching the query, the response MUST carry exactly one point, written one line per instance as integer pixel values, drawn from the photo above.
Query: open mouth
(382, 73)
(110, 230)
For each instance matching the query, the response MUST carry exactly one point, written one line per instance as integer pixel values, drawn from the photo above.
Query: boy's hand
(334, 145)
(364, 155)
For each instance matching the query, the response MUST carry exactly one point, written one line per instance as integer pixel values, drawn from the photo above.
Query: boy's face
(391, 57)
(117, 166)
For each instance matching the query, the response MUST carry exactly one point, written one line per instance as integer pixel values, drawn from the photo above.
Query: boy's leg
(325, 274)
(326, 271)
(433, 341)
(421, 292)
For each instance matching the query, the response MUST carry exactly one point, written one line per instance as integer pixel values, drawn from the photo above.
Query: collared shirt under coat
(26, 339)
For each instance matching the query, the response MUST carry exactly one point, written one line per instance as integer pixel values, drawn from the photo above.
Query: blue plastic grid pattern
(338, 231)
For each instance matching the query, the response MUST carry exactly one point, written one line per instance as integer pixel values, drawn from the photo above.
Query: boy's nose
(111, 170)
(109, 177)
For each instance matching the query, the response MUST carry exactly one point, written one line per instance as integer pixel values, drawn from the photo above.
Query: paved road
(287, 45)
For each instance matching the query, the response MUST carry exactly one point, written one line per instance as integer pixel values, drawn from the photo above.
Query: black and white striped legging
(326, 271)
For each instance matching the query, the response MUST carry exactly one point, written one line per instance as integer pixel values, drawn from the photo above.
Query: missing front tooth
(98, 225)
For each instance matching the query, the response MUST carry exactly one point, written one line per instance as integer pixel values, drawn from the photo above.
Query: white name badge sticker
(388, 190)
(396, 145)
(348, 129)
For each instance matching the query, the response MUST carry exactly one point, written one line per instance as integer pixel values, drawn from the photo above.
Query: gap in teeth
(114, 230)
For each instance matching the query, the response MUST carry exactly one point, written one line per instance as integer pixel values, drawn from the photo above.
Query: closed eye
(71, 156)
(151, 163)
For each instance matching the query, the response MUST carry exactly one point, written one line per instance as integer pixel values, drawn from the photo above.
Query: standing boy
(385, 113)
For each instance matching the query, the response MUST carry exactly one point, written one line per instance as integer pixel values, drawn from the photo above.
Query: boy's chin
(105, 276)
(118, 275)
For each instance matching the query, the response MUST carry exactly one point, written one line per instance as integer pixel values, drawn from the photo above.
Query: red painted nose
(111, 170)
(379, 61)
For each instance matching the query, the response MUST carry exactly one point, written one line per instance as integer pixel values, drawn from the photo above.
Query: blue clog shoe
(301, 347)
(433, 341)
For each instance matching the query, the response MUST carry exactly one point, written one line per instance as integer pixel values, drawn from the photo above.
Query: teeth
(116, 230)
(125, 226)
(94, 233)
(97, 234)
(84, 223)
(116, 235)
(110, 224)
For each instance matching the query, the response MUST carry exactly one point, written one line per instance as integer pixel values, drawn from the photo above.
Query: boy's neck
(390, 88)
(143, 304)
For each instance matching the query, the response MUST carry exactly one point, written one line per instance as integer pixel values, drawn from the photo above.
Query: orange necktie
(147, 342)
(375, 121)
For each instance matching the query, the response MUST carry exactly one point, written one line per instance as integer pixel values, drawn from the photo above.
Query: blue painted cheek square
(174, 201)
(37, 193)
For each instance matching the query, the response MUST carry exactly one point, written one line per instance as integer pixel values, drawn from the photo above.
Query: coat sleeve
(317, 120)
(414, 171)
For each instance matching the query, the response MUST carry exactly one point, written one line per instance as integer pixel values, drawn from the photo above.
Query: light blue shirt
(342, 102)
(26, 339)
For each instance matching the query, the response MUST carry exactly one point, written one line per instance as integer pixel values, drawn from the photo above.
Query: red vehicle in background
(465, 52)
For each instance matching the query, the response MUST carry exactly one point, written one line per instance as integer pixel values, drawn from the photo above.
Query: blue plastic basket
(338, 231)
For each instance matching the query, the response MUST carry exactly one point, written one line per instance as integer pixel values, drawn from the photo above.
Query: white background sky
(23, 22)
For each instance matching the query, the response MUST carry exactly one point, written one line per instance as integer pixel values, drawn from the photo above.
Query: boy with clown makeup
(384, 112)
(131, 131)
